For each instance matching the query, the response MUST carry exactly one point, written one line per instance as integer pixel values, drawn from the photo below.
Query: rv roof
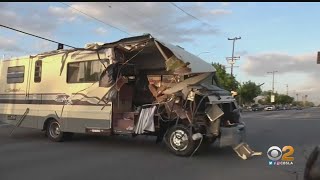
(17, 58)
(196, 64)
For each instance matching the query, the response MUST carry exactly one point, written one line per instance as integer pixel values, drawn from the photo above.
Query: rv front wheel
(179, 140)
(54, 132)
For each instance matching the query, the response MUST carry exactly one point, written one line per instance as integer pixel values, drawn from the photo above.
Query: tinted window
(84, 72)
(15, 74)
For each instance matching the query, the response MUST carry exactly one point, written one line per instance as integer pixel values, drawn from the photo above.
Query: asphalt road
(29, 155)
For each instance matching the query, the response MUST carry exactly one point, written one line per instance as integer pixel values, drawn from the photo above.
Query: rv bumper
(232, 136)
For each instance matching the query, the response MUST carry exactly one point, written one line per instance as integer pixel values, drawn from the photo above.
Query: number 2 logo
(288, 151)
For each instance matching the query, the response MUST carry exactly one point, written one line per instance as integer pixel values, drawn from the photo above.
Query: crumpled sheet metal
(214, 113)
(244, 151)
(177, 66)
(197, 64)
(181, 85)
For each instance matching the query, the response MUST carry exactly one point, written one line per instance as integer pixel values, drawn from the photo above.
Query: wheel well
(46, 123)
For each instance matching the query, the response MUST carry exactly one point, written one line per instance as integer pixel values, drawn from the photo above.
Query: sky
(280, 37)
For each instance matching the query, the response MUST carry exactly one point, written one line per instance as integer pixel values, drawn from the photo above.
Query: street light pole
(272, 80)
(287, 89)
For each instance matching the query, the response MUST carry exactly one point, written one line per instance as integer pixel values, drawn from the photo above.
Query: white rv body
(137, 85)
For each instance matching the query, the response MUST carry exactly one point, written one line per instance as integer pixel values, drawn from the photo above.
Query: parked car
(296, 108)
(257, 108)
(270, 108)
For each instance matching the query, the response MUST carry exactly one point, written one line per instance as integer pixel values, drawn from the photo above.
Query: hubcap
(54, 130)
(179, 140)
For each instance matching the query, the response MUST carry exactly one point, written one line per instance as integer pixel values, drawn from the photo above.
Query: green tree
(265, 93)
(279, 98)
(225, 80)
(284, 99)
(297, 103)
(309, 104)
(248, 91)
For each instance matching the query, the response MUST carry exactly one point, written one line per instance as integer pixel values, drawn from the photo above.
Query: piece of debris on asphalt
(244, 151)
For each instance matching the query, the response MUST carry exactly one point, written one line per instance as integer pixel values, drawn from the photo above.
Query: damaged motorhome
(135, 86)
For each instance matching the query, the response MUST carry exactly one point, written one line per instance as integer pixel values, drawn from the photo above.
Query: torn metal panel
(214, 112)
(215, 127)
(244, 151)
(197, 64)
(174, 63)
(181, 85)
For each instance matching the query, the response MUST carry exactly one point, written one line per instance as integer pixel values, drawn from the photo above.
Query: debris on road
(244, 151)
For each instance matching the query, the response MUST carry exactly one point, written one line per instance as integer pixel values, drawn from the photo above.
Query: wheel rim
(54, 129)
(179, 140)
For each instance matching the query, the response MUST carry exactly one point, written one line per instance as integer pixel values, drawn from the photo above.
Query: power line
(59, 43)
(96, 19)
(190, 14)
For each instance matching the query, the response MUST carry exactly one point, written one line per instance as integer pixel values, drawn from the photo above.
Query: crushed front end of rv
(179, 99)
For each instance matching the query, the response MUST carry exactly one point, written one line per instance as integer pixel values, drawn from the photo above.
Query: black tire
(54, 132)
(179, 140)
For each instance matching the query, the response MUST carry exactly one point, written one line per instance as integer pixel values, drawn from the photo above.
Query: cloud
(241, 53)
(162, 20)
(63, 14)
(283, 63)
(9, 45)
(43, 46)
(100, 31)
(34, 20)
(301, 69)
(220, 12)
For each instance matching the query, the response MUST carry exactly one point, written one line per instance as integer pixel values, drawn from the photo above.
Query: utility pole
(272, 80)
(233, 61)
(287, 90)
(305, 100)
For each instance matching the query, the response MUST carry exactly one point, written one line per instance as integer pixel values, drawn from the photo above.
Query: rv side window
(15, 74)
(84, 72)
(37, 71)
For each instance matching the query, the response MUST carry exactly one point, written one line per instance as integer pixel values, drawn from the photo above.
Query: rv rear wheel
(54, 132)
(179, 140)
